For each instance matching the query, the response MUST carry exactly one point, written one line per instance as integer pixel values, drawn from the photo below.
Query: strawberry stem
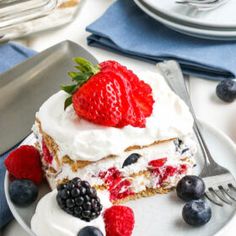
(86, 71)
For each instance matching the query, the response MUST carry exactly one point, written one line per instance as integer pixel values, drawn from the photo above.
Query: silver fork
(219, 181)
(203, 5)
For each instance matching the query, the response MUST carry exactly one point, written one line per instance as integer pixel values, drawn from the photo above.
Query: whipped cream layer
(176, 155)
(83, 140)
(49, 219)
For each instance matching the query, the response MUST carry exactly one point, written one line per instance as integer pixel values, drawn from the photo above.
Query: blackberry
(79, 199)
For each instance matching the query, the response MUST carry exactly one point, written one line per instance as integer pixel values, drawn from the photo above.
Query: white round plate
(161, 214)
(221, 17)
(214, 34)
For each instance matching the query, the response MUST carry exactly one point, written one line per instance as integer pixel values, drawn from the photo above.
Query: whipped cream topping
(49, 219)
(83, 140)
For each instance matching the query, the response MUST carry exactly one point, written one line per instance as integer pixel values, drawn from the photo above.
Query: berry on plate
(23, 192)
(119, 221)
(90, 231)
(190, 187)
(79, 199)
(109, 94)
(196, 212)
(226, 90)
(24, 163)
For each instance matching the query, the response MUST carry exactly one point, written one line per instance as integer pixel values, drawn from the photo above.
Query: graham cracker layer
(145, 193)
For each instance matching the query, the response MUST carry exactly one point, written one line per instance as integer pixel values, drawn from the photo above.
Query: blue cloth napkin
(124, 28)
(10, 55)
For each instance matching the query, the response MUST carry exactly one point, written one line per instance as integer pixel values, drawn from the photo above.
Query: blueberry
(90, 231)
(196, 212)
(178, 142)
(131, 159)
(184, 150)
(23, 192)
(226, 90)
(190, 187)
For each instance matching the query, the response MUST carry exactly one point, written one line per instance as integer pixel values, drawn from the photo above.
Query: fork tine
(224, 191)
(209, 197)
(220, 196)
(232, 187)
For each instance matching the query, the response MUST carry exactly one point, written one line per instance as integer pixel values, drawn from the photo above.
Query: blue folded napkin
(10, 55)
(124, 28)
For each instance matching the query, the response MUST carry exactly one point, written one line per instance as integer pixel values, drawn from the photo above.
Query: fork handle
(174, 78)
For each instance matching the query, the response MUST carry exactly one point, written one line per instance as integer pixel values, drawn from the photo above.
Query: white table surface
(207, 106)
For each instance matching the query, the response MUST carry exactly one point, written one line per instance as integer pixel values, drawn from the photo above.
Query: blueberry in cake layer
(128, 134)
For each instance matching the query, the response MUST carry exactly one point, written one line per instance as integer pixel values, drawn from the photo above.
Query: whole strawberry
(119, 221)
(24, 163)
(108, 94)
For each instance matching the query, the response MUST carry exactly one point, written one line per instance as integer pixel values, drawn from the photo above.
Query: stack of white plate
(218, 24)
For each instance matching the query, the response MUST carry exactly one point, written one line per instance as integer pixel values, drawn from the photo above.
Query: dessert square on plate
(130, 162)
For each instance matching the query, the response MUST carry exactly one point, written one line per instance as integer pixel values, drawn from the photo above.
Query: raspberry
(120, 190)
(118, 186)
(79, 199)
(159, 169)
(111, 176)
(46, 153)
(170, 171)
(119, 221)
(158, 162)
(24, 163)
(183, 169)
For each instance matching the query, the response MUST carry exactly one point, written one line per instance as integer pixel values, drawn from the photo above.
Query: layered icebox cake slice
(131, 156)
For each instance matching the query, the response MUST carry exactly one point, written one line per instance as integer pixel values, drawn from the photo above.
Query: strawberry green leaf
(86, 66)
(68, 102)
(69, 88)
(73, 74)
(86, 71)
(81, 68)
(80, 77)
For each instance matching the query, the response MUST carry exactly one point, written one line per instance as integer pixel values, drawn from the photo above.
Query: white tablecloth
(207, 106)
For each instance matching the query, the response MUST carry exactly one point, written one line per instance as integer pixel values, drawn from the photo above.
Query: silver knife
(25, 87)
